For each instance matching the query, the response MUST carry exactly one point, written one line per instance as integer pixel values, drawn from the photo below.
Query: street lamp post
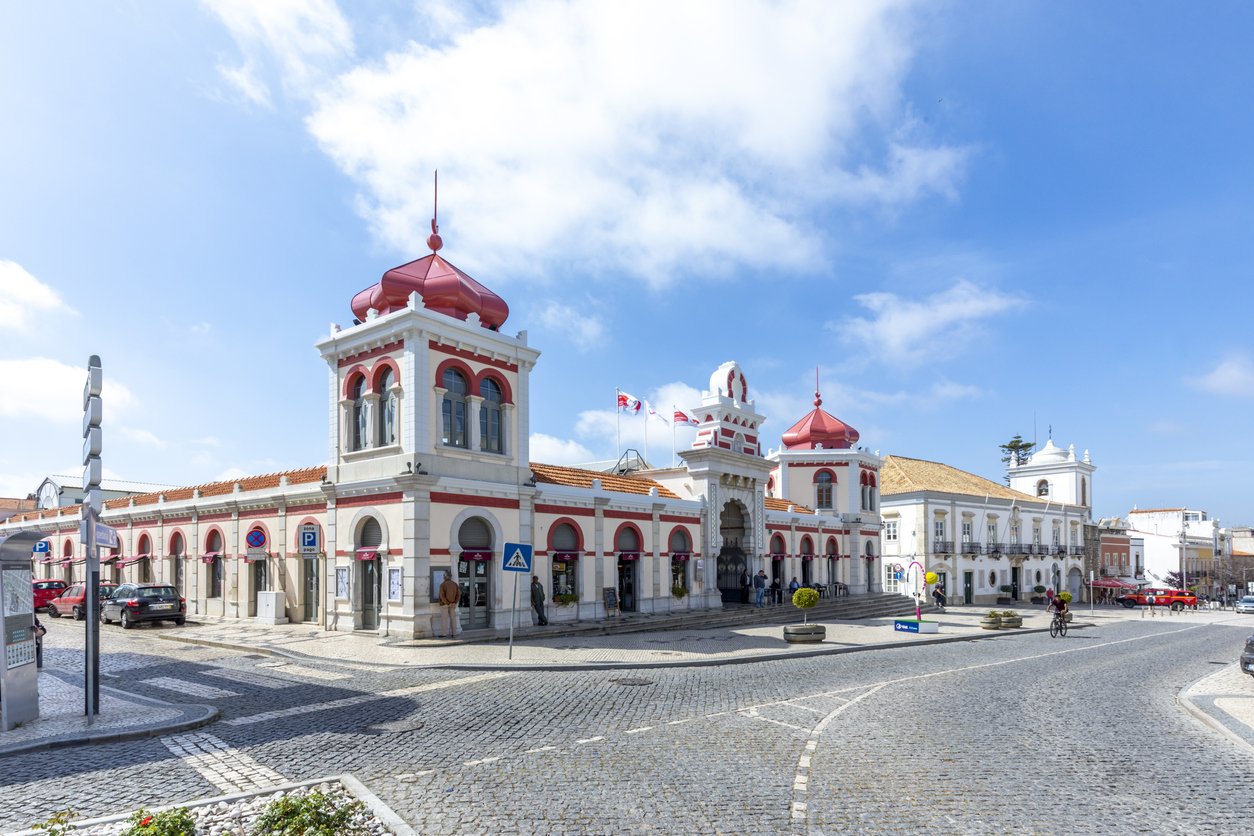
(1184, 545)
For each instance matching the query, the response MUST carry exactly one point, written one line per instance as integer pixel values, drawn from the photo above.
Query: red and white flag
(682, 418)
(653, 413)
(626, 403)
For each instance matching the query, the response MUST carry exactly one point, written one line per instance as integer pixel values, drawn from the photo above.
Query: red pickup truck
(1177, 599)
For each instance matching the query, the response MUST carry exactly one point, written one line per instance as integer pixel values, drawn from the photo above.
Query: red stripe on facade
(869, 533)
(470, 355)
(674, 519)
(562, 509)
(366, 355)
(628, 515)
(482, 501)
(440, 552)
(373, 499)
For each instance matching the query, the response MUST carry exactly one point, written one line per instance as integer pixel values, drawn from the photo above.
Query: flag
(682, 418)
(653, 413)
(626, 403)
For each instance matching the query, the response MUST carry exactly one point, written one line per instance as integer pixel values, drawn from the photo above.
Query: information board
(610, 594)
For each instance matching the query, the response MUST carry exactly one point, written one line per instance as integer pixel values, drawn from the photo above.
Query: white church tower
(1052, 473)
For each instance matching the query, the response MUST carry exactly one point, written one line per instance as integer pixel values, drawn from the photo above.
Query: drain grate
(632, 682)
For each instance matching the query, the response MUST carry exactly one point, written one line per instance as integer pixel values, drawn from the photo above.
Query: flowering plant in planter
(678, 591)
(803, 599)
(565, 599)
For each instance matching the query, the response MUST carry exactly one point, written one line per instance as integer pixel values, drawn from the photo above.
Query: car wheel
(104, 619)
(54, 612)
(1129, 604)
(77, 612)
(1177, 606)
(127, 623)
(180, 621)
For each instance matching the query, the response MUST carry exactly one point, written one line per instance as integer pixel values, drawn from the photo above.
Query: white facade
(1177, 538)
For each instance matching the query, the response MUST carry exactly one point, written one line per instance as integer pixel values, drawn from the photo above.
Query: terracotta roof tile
(773, 504)
(574, 477)
(899, 474)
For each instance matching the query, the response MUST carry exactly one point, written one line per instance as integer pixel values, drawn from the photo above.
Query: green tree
(1015, 452)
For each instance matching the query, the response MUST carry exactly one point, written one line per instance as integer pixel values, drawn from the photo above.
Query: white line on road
(227, 768)
(589, 740)
(182, 686)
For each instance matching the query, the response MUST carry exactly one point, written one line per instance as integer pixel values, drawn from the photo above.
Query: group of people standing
(764, 592)
(451, 595)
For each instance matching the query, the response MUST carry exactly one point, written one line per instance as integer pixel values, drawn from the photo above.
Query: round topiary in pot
(803, 599)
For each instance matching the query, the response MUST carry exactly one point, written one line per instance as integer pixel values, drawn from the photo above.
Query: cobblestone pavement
(1019, 734)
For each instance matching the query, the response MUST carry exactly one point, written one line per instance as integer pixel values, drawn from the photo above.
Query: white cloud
(24, 299)
(549, 450)
(909, 331)
(53, 391)
(144, 437)
(561, 135)
(1233, 376)
(585, 329)
(305, 38)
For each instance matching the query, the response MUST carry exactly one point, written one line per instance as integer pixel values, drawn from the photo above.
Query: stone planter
(990, 623)
(802, 633)
(1017, 621)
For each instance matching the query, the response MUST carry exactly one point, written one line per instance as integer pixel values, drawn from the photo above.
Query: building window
(360, 431)
(454, 408)
(890, 531)
(938, 530)
(490, 416)
(1014, 533)
(1042, 488)
(1036, 533)
(967, 525)
(992, 531)
(823, 490)
(1057, 534)
(387, 409)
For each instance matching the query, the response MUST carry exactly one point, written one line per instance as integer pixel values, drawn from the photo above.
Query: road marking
(637, 731)
(226, 767)
(407, 777)
(801, 778)
(182, 686)
(480, 761)
(589, 740)
(679, 722)
(348, 702)
(540, 749)
(247, 678)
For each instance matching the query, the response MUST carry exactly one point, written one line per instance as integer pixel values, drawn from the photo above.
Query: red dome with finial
(820, 430)
(443, 288)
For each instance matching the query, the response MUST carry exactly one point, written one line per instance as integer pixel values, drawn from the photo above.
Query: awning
(109, 558)
(1112, 583)
(629, 555)
(366, 554)
(209, 557)
(252, 558)
(807, 557)
(565, 557)
(475, 556)
(776, 556)
(680, 557)
(127, 561)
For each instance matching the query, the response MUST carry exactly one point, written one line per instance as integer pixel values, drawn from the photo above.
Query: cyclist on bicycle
(1059, 606)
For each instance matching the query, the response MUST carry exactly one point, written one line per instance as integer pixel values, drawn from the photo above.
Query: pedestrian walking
(450, 596)
(759, 588)
(537, 601)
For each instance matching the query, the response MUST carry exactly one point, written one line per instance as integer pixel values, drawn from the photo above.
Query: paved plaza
(693, 732)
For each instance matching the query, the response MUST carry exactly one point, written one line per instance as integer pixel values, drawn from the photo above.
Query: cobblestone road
(1013, 735)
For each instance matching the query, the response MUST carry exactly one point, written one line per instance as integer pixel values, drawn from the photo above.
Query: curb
(194, 716)
(1190, 705)
(626, 665)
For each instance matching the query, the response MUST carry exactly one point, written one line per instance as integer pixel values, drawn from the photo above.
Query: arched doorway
(474, 573)
(1075, 583)
(369, 572)
(778, 554)
(627, 544)
(733, 564)
(871, 568)
(807, 562)
(177, 548)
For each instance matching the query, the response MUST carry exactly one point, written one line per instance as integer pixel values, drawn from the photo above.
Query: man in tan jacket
(450, 595)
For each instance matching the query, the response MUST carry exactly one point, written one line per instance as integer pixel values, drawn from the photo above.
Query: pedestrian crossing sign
(517, 557)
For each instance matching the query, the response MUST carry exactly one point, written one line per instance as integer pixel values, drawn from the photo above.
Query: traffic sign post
(516, 558)
(93, 531)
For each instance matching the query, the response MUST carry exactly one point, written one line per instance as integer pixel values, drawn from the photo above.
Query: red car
(44, 591)
(73, 601)
(1177, 599)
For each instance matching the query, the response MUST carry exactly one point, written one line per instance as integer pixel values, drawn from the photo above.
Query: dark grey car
(134, 603)
(1247, 656)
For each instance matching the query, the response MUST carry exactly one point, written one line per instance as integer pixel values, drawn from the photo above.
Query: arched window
(371, 535)
(777, 546)
(823, 490)
(1042, 488)
(490, 417)
(454, 408)
(387, 408)
(475, 535)
(627, 540)
(679, 542)
(360, 429)
(216, 566)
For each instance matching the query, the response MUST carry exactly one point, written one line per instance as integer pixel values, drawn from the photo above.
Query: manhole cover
(395, 726)
(632, 682)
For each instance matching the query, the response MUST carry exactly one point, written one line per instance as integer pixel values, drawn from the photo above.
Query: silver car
(1246, 604)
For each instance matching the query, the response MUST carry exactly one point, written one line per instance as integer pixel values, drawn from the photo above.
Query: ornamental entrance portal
(733, 563)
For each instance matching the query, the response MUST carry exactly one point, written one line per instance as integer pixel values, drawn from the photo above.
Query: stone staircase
(854, 607)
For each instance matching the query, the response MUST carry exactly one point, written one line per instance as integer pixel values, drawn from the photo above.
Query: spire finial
(818, 398)
(434, 241)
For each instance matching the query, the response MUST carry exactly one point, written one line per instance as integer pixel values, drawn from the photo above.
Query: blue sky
(976, 219)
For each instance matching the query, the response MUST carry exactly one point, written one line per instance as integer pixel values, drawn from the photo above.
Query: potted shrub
(1038, 594)
(678, 591)
(566, 599)
(1010, 618)
(991, 621)
(803, 599)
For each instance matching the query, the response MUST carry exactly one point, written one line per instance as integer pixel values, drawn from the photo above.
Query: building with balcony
(1181, 539)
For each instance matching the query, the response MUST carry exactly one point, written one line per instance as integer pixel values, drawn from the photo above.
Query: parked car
(1246, 604)
(134, 603)
(44, 591)
(73, 601)
(1177, 599)
(1247, 656)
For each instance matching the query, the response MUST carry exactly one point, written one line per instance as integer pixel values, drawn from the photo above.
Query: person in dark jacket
(744, 586)
(537, 601)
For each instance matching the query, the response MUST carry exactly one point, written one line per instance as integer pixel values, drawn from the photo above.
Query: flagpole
(618, 423)
(646, 431)
(673, 442)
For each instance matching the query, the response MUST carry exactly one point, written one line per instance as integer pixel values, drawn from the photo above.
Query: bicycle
(1058, 627)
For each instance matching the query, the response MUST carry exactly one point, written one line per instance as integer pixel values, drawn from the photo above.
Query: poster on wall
(437, 577)
(394, 584)
(341, 582)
